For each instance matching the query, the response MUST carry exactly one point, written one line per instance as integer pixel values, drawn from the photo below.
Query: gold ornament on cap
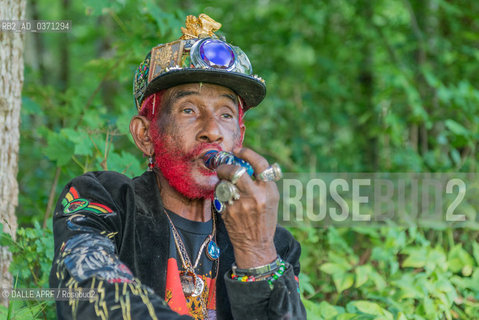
(200, 27)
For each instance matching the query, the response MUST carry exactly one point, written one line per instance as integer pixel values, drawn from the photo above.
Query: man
(181, 240)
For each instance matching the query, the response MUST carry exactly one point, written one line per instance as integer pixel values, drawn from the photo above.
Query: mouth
(202, 162)
(203, 169)
(202, 154)
(198, 157)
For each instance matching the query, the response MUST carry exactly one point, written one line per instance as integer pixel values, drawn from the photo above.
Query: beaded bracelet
(277, 274)
(250, 278)
(271, 278)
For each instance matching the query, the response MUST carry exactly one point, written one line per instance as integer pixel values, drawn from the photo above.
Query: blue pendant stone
(217, 54)
(213, 251)
(219, 206)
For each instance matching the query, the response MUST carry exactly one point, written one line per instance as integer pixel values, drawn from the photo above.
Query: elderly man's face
(193, 119)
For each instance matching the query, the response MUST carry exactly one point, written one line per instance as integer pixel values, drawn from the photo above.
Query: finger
(227, 171)
(258, 163)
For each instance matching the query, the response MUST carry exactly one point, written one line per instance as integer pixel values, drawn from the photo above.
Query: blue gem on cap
(217, 54)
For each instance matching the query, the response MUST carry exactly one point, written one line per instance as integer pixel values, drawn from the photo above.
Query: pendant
(191, 284)
(212, 251)
(187, 280)
(199, 286)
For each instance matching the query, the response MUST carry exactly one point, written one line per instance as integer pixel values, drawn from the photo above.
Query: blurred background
(353, 86)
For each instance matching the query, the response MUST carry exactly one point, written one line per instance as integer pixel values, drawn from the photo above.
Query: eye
(227, 115)
(187, 110)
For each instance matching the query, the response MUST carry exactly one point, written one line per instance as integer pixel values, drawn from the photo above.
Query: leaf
(362, 274)
(29, 106)
(29, 312)
(343, 281)
(332, 268)
(456, 128)
(123, 122)
(475, 251)
(58, 148)
(81, 140)
(327, 311)
(6, 239)
(335, 240)
(436, 258)
(458, 258)
(125, 163)
(372, 308)
(346, 316)
(305, 284)
(378, 280)
(342, 259)
(429, 306)
(312, 309)
(416, 259)
(401, 316)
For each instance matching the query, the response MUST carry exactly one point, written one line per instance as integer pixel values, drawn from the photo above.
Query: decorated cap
(198, 56)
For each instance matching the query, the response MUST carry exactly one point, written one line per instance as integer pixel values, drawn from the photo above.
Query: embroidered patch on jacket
(73, 203)
(87, 255)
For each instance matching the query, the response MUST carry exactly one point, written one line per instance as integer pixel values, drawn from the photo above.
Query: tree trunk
(419, 16)
(39, 44)
(109, 88)
(64, 51)
(366, 84)
(11, 82)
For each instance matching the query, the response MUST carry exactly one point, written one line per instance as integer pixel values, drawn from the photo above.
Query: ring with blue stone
(219, 206)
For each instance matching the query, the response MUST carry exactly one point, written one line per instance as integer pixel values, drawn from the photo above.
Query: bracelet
(258, 271)
(277, 274)
(270, 277)
(250, 278)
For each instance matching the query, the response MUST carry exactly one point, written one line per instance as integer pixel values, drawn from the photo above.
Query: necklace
(192, 284)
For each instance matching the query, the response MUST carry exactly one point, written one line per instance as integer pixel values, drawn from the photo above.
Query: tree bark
(11, 82)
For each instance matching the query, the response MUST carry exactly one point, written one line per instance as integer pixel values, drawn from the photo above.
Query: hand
(251, 220)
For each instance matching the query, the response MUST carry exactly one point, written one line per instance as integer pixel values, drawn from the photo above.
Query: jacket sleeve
(259, 300)
(87, 227)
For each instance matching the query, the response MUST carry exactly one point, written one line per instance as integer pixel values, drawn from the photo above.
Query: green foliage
(32, 252)
(388, 273)
(352, 86)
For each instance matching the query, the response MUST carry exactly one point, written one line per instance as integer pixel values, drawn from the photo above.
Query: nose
(210, 130)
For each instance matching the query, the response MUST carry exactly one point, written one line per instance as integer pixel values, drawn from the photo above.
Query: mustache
(200, 148)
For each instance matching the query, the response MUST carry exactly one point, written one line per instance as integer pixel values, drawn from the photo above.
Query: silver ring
(237, 174)
(226, 192)
(273, 173)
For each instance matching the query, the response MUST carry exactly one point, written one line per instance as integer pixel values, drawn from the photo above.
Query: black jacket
(114, 221)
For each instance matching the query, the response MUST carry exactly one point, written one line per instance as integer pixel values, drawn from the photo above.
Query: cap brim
(252, 90)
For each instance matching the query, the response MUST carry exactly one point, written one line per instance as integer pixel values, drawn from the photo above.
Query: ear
(140, 131)
(243, 130)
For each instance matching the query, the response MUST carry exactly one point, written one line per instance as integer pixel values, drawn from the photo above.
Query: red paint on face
(177, 167)
(184, 169)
